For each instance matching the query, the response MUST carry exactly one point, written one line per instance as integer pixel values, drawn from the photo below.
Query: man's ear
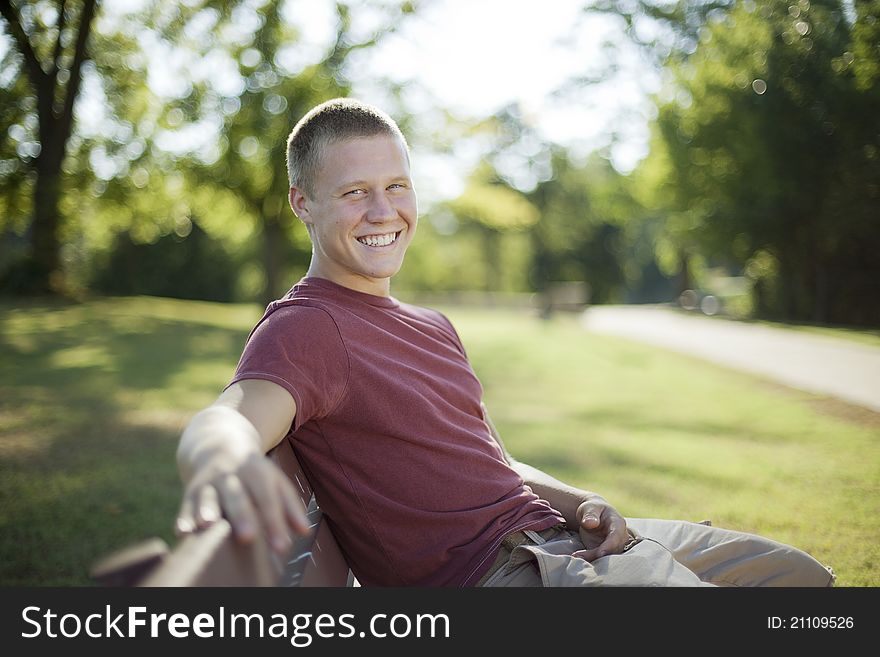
(299, 204)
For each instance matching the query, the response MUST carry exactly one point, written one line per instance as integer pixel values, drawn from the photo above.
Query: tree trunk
(685, 282)
(821, 300)
(492, 247)
(55, 115)
(274, 243)
(45, 245)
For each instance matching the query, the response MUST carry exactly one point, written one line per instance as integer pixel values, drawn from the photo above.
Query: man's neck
(380, 287)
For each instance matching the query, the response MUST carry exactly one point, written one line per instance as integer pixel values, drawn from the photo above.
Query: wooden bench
(214, 557)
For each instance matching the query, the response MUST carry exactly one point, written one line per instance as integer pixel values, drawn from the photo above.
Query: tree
(231, 72)
(765, 152)
(52, 42)
(492, 208)
(49, 167)
(771, 144)
(586, 211)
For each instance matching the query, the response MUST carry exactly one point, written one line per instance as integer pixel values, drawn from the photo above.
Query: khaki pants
(666, 553)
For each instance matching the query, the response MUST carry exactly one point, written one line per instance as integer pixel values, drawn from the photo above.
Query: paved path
(840, 368)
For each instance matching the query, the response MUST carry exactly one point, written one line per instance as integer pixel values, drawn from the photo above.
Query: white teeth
(378, 240)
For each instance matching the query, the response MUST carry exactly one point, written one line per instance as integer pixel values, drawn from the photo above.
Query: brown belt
(512, 540)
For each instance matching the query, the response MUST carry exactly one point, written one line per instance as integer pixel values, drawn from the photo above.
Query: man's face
(362, 214)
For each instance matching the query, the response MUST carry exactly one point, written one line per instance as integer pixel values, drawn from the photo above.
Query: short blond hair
(330, 122)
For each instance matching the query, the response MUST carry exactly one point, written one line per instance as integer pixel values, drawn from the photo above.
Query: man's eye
(354, 192)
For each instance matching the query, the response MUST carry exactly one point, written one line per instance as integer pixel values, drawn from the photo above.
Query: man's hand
(222, 463)
(602, 529)
(249, 491)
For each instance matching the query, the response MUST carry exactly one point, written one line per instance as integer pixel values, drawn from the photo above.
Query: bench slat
(325, 565)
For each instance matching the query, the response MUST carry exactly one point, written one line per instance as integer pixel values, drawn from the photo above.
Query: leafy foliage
(189, 109)
(769, 141)
(765, 159)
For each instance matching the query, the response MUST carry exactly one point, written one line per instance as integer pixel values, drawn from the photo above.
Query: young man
(386, 415)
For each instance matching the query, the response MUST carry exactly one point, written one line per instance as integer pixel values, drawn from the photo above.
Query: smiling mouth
(385, 239)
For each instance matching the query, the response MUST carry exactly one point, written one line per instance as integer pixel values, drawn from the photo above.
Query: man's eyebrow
(351, 184)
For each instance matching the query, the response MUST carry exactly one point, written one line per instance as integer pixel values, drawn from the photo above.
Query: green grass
(92, 401)
(93, 397)
(662, 435)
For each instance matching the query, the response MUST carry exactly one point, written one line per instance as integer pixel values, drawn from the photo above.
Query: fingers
(267, 490)
(207, 510)
(237, 507)
(590, 519)
(185, 523)
(614, 541)
(601, 523)
(256, 497)
(199, 509)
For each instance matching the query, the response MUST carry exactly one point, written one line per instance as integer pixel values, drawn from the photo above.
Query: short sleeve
(453, 333)
(299, 348)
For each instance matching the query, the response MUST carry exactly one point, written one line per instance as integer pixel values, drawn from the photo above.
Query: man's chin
(388, 271)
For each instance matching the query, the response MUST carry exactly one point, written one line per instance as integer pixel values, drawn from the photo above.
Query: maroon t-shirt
(390, 432)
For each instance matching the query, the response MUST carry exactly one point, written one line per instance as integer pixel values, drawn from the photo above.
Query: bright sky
(477, 56)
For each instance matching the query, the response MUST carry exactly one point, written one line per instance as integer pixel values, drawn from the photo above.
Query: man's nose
(381, 208)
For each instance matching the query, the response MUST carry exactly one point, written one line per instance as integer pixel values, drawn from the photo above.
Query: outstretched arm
(222, 462)
(602, 528)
